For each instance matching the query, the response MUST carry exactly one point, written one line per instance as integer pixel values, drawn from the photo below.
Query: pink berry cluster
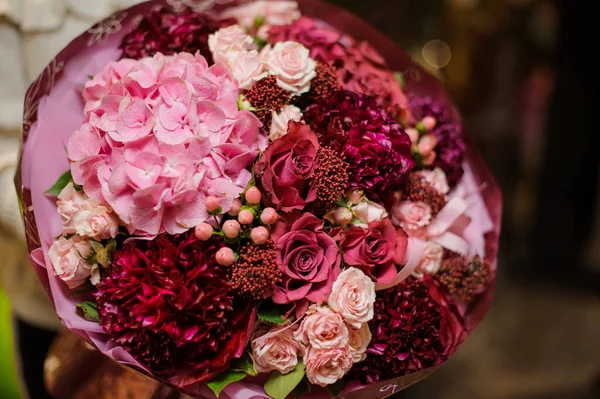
(241, 223)
(423, 140)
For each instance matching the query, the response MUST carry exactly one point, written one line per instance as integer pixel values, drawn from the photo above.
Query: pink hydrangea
(162, 134)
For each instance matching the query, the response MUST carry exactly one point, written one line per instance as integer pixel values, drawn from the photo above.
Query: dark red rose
(372, 250)
(286, 168)
(309, 259)
(171, 306)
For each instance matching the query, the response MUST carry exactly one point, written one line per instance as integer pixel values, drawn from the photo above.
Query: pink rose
(401, 247)
(67, 257)
(275, 348)
(280, 121)
(291, 64)
(367, 211)
(286, 167)
(359, 339)
(431, 259)
(96, 221)
(353, 297)
(229, 42)
(272, 12)
(413, 217)
(69, 202)
(322, 328)
(437, 179)
(308, 258)
(326, 366)
(247, 68)
(372, 250)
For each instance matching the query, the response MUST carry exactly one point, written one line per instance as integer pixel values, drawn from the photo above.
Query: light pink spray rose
(367, 211)
(96, 221)
(274, 348)
(437, 179)
(227, 43)
(292, 66)
(326, 366)
(353, 297)
(322, 328)
(67, 257)
(271, 12)
(431, 259)
(247, 67)
(359, 341)
(280, 121)
(413, 217)
(69, 203)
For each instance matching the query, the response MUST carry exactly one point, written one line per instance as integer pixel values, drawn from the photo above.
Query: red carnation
(170, 305)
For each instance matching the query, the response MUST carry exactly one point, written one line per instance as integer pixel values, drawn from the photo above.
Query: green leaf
(90, 311)
(224, 379)
(272, 313)
(245, 364)
(60, 184)
(399, 76)
(279, 386)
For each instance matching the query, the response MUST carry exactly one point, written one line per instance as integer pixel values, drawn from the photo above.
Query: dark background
(522, 74)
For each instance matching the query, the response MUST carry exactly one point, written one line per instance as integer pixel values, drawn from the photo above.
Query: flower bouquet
(256, 199)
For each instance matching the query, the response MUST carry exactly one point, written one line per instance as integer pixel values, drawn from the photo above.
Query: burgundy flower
(166, 31)
(372, 250)
(309, 259)
(451, 146)
(367, 138)
(286, 168)
(408, 329)
(169, 304)
(360, 68)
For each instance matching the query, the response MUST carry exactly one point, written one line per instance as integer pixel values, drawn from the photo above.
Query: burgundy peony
(360, 68)
(286, 168)
(367, 138)
(169, 304)
(166, 31)
(408, 333)
(451, 146)
(309, 259)
(372, 250)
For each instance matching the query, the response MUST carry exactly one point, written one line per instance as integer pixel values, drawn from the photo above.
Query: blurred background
(522, 73)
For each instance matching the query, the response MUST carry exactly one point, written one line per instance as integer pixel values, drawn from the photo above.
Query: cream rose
(367, 212)
(353, 297)
(275, 348)
(412, 216)
(272, 12)
(431, 260)
(322, 328)
(292, 66)
(437, 179)
(326, 366)
(247, 68)
(227, 43)
(96, 221)
(280, 121)
(70, 201)
(67, 257)
(360, 338)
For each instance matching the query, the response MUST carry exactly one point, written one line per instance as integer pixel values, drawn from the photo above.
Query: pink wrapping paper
(53, 111)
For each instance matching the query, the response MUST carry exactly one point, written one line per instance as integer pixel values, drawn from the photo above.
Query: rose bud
(343, 216)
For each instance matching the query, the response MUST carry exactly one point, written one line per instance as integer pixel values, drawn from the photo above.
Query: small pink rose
(275, 348)
(280, 121)
(322, 328)
(359, 341)
(247, 68)
(326, 366)
(69, 202)
(437, 179)
(431, 259)
(227, 43)
(67, 257)
(412, 216)
(367, 212)
(292, 66)
(353, 297)
(96, 221)
(281, 12)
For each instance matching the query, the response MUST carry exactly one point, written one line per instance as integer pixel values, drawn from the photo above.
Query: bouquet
(245, 200)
